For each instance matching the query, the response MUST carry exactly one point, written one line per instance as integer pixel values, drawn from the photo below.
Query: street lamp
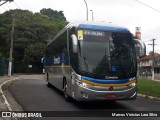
(92, 15)
(86, 9)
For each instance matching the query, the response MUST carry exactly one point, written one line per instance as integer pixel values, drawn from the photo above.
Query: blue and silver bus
(91, 61)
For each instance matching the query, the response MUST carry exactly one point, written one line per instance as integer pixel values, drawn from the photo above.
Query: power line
(17, 5)
(4, 8)
(146, 41)
(8, 6)
(5, 1)
(147, 6)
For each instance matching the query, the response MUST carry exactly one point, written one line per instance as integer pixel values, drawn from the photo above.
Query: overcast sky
(128, 13)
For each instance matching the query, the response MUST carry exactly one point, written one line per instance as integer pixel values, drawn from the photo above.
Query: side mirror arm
(74, 43)
(140, 47)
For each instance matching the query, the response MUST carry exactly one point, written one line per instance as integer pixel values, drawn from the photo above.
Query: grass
(149, 87)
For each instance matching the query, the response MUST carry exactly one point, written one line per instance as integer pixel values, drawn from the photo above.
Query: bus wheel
(49, 84)
(65, 87)
(112, 101)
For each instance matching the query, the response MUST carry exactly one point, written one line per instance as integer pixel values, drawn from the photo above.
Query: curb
(5, 100)
(148, 97)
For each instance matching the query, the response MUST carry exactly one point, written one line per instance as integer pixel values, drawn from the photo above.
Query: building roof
(149, 57)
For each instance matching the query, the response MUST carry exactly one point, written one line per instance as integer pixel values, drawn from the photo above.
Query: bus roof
(99, 26)
(93, 26)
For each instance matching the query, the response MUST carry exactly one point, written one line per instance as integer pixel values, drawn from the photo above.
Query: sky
(127, 13)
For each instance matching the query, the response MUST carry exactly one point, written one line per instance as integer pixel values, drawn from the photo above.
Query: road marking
(5, 100)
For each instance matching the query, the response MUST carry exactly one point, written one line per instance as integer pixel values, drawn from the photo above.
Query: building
(157, 64)
(146, 62)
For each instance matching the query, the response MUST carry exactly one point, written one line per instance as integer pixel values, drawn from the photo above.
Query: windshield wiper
(79, 48)
(85, 59)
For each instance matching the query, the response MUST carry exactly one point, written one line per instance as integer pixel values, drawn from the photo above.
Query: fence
(3, 66)
(21, 67)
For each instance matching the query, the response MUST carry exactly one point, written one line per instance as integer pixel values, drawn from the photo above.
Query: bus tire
(112, 101)
(65, 87)
(49, 84)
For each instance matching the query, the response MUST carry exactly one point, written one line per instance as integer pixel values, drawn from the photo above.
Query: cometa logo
(111, 77)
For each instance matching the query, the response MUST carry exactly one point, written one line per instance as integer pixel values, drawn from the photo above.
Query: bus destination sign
(94, 33)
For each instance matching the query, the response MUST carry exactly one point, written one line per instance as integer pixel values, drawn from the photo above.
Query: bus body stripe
(109, 85)
(65, 66)
(105, 82)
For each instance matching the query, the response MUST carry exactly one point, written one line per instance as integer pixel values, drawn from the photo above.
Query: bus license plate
(110, 96)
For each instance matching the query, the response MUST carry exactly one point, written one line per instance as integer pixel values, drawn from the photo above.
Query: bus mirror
(74, 43)
(42, 60)
(140, 48)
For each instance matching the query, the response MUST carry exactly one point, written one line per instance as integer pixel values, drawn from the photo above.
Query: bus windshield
(106, 53)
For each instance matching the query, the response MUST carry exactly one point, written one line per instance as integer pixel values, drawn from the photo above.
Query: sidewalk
(3, 107)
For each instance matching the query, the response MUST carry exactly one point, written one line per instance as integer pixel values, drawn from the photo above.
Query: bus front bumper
(117, 93)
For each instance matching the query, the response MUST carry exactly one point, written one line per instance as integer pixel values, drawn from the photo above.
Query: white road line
(5, 100)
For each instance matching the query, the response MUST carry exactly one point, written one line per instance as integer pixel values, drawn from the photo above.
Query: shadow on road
(95, 105)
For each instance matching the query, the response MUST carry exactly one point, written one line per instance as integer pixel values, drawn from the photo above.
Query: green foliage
(149, 87)
(133, 36)
(0, 94)
(34, 53)
(53, 13)
(30, 29)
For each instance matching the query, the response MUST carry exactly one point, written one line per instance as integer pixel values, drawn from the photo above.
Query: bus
(90, 61)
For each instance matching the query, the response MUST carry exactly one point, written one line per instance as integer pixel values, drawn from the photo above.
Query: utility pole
(153, 57)
(11, 48)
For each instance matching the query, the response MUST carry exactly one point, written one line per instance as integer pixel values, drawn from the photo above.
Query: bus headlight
(83, 84)
(132, 85)
(86, 85)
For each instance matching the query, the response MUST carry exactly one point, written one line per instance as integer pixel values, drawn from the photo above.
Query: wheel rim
(65, 91)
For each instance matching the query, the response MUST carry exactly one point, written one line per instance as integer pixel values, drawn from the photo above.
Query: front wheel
(49, 84)
(65, 87)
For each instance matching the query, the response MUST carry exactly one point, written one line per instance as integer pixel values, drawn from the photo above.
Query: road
(34, 95)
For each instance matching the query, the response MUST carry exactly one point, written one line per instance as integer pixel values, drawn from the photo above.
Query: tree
(133, 36)
(34, 53)
(5, 28)
(53, 13)
(30, 29)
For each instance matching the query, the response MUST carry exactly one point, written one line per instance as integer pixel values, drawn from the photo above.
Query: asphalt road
(34, 95)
